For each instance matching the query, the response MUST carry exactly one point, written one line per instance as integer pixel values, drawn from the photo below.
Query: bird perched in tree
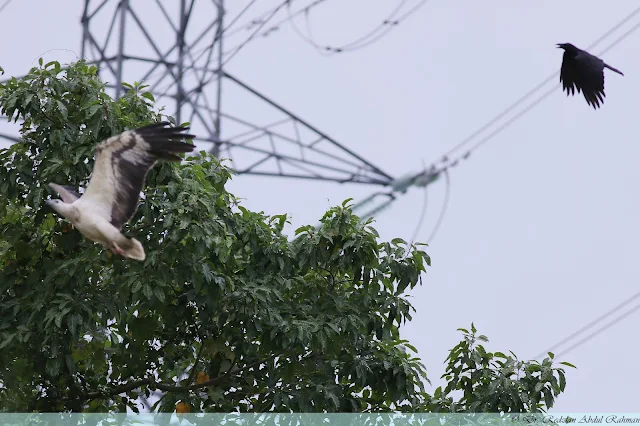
(111, 199)
(584, 72)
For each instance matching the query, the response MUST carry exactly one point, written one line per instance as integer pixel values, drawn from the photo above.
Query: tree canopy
(225, 314)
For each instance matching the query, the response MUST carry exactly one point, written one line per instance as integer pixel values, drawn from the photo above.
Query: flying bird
(111, 199)
(584, 72)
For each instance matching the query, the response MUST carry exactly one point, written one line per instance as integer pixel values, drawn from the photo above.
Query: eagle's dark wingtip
(153, 126)
(163, 125)
(164, 142)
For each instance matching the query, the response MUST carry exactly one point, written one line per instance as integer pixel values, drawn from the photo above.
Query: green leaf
(74, 320)
(53, 366)
(7, 340)
(562, 380)
(438, 393)
(206, 272)
(568, 364)
(159, 292)
(548, 398)
(52, 64)
(71, 365)
(148, 291)
(149, 96)
(398, 241)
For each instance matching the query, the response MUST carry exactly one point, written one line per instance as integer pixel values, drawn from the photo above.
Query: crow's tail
(613, 69)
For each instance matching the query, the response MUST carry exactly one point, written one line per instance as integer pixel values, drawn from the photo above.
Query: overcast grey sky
(541, 232)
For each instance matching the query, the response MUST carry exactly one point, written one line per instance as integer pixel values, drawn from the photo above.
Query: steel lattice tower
(180, 52)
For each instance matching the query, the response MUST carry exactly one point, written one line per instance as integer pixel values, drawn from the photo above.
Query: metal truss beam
(179, 54)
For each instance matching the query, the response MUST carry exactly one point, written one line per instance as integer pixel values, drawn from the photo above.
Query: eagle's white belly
(94, 226)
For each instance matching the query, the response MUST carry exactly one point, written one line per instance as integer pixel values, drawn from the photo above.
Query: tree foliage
(492, 382)
(225, 314)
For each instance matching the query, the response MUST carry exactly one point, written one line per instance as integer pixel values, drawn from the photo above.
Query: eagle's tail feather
(129, 247)
(134, 250)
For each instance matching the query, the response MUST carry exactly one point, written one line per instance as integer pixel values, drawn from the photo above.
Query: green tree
(492, 382)
(225, 314)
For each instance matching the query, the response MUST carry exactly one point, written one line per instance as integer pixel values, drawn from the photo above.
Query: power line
(195, 56)
(591, 324)
(423, 214)
(323, 49)
(389, 26)
(255, 33)
(238, 16)
(224, 32)
(277, 25)
(363, 41)
(443, 210)
(234, 51)
(445, 205)
(600, 330)
(5, 4)
(261, 21)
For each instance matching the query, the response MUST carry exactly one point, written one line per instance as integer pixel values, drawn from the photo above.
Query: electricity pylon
(179, 51)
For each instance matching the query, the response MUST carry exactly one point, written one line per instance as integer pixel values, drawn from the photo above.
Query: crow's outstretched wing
(569, 75)
(591, 78)
(583, 73)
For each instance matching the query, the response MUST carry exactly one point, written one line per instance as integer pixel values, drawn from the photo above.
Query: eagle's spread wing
(122, 163)
(66, 193)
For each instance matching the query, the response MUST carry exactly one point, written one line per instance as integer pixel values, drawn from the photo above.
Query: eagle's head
(63, 209)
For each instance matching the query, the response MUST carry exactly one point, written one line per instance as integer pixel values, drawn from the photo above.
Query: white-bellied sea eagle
(111, 199)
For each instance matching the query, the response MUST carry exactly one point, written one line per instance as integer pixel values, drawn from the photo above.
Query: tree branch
(195, 364)
(167, 388)
(120, 389)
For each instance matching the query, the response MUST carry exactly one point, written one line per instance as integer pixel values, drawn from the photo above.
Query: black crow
(582, 71)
